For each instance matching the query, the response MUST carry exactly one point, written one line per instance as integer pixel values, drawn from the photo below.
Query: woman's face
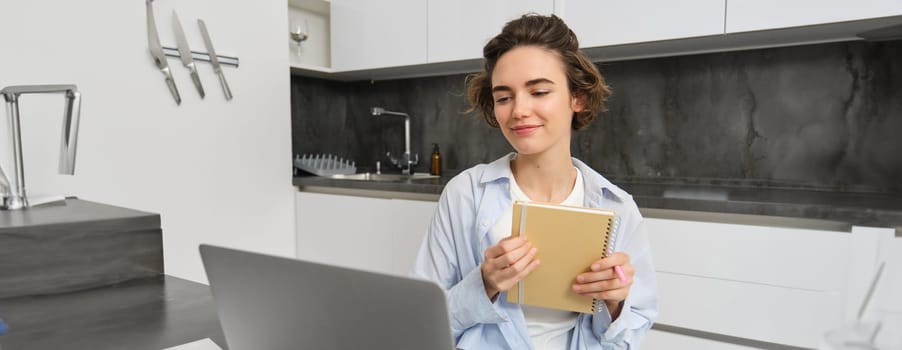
(533, 104)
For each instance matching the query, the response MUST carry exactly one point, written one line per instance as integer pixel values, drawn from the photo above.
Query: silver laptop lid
(270, 303)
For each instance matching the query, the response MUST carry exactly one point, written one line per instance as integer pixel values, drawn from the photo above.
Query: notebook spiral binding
(596, 305)
(613, 228)
(612, 235)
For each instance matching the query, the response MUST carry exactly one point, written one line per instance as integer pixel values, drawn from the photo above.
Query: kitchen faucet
(405, 163)
(12, 194)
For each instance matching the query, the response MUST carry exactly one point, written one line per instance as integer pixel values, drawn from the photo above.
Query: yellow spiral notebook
(568, 240)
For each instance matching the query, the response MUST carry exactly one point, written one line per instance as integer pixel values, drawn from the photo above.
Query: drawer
(788, 257)
(767, 313)
(657, 340)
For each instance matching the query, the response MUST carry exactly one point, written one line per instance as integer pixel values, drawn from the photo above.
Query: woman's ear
(578, 102)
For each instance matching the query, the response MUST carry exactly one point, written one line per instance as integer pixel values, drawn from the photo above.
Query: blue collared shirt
(459, 235)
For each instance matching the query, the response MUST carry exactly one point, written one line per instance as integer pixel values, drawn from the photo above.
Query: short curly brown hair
(549, 32)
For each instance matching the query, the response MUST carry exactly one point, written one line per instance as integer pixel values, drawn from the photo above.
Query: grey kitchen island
(85, 275)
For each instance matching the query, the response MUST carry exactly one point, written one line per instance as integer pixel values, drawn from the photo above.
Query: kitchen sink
(385, 177)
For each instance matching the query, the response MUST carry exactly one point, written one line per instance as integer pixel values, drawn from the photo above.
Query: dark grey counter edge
(747, 219)
(428, 197)
(758, 344)
(726, 218)
(759, 213)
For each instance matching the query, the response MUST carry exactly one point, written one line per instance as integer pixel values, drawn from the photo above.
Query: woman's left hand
(602, 282)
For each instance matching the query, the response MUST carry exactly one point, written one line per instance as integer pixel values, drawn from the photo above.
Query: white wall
(216, 171)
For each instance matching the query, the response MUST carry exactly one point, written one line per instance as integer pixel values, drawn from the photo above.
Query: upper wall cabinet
(310, 19)
(391, 39)
(751, 15)
(608, 22)
(370, 34)
(458, 30)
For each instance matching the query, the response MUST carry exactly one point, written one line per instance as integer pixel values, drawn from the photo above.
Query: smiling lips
(523, 130)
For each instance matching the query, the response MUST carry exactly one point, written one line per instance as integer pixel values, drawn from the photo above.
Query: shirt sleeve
(439, 257)
(640, 309)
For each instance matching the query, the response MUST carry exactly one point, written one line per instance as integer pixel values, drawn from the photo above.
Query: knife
(213, 59)
(156, 50)
(185, 53)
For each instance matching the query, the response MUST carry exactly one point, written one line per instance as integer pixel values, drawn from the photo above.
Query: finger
(533, 264)
(510, 275)
(514, 269)
(597, 286)
(593, 276)
(504, 246)
(612, 260)
(511, 243)
(511, 257)
(493, 252)
(623, 272)
(629, 270)
(614, 289)
(610, 295)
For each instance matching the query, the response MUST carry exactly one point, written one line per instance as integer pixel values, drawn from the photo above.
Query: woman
(537, 87)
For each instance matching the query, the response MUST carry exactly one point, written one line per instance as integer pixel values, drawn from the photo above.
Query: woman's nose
(521, 108)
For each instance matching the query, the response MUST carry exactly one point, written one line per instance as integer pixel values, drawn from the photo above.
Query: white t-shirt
(548, 328)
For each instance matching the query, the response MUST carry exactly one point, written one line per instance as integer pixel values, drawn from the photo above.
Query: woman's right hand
(506, 263)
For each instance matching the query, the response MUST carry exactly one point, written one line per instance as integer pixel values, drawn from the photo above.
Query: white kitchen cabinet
(314, 51)
(375, 234)
(781, 285)
(751, 15)
(608, 22)
(458, 30)
(376, 34)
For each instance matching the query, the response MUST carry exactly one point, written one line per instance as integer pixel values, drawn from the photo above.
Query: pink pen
(620, 275)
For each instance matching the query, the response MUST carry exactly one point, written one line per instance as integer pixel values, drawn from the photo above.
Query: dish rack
(324, 164)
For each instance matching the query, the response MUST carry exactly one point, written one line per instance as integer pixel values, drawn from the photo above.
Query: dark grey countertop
(853, 208)
(151, 313)
(72, 212)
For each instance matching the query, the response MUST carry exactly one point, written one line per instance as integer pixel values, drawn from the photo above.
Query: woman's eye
(540, 93)
(502, 99)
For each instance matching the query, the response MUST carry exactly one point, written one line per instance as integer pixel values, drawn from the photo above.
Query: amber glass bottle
(435, 165)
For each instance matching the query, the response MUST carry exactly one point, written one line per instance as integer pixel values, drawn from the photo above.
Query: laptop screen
(268, 302)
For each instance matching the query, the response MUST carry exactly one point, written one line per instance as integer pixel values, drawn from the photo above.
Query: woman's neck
(545, 177)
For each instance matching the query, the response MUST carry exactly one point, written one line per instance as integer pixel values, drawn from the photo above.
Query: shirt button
(484, 223)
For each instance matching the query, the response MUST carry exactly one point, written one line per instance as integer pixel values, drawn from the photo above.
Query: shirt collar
(500, 169)
(594, 180)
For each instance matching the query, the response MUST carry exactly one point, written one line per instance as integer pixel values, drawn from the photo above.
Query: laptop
(271, 303)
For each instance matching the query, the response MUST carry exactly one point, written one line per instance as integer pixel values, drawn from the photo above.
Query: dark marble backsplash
(817, 116)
